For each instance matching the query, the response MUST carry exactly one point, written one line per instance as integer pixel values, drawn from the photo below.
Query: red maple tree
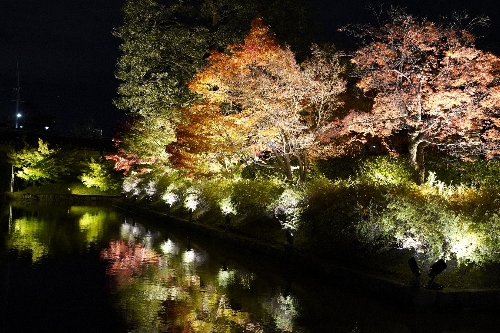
(430, 83)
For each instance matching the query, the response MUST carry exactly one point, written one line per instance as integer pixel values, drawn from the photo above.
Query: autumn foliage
(425, 86)
(259, 105)
(430, 83)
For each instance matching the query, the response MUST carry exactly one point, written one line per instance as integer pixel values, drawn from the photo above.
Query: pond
(98, 269)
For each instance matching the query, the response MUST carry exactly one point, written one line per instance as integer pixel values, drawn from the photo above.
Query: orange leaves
(258, 98)
(429, 80)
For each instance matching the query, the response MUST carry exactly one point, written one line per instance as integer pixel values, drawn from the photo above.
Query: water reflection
(42, 234)
(91, 269)
(29, 234)
(168, 286)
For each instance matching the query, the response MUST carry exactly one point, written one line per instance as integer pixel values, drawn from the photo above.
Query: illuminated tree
(429, 83)
(98, 175)
(259, 101)
(40, 164)
(164, 46)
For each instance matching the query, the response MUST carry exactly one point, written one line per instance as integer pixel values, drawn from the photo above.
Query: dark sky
(67, 54)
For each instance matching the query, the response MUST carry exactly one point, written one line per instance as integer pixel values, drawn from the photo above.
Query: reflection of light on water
(189, 256)
(26, 235)
(125, 230)
(148, 240)
(173, 290)
(131, 232)
(92, 225)
(169, 247)
(128, 259)
(283, 309)
(226, 277)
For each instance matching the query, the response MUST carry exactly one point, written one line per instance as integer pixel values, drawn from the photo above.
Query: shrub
(252, 197)
(475, 174)
(432, 229)
(385, 170)
(99, 175)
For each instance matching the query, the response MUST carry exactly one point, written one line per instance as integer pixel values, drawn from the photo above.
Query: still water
(97, 269)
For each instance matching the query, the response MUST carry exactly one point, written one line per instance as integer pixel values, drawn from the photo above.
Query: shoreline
(367, 284)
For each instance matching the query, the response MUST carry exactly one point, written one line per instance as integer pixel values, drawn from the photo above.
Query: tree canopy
(163, 46)
(428, 82)
(40, 164)
(259, 102)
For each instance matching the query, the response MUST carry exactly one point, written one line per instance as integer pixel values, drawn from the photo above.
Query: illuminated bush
(192, 199)
(98, 175)
(170, 197)
(145, 184)
(174, 190)
(288, 208)
(217, 193)
(196, 202)
(150, 189)
(131, 185)
(227, 206)
(385, 170)
(475, 174)
(432, 229)
(252, 197)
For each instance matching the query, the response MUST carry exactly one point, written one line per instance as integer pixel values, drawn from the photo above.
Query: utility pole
(12, 179)
(18, 97)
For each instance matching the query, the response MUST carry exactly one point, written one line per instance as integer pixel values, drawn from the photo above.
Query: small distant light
(21, 126)
(46, 128)
(19, 115)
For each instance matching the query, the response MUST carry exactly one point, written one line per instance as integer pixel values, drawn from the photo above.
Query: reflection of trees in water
(27, 234)
(92, 225)
(173, 290)
(44, 231)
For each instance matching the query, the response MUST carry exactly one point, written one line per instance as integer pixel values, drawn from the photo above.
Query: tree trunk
(302, 160)
(417, 160)
(287, 168)
(12, 179)
(284, 162)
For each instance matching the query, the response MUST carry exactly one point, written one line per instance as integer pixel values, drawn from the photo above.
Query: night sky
(67, 54)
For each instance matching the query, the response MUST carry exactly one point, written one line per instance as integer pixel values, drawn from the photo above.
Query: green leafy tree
(98, 175)
(40, 164)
